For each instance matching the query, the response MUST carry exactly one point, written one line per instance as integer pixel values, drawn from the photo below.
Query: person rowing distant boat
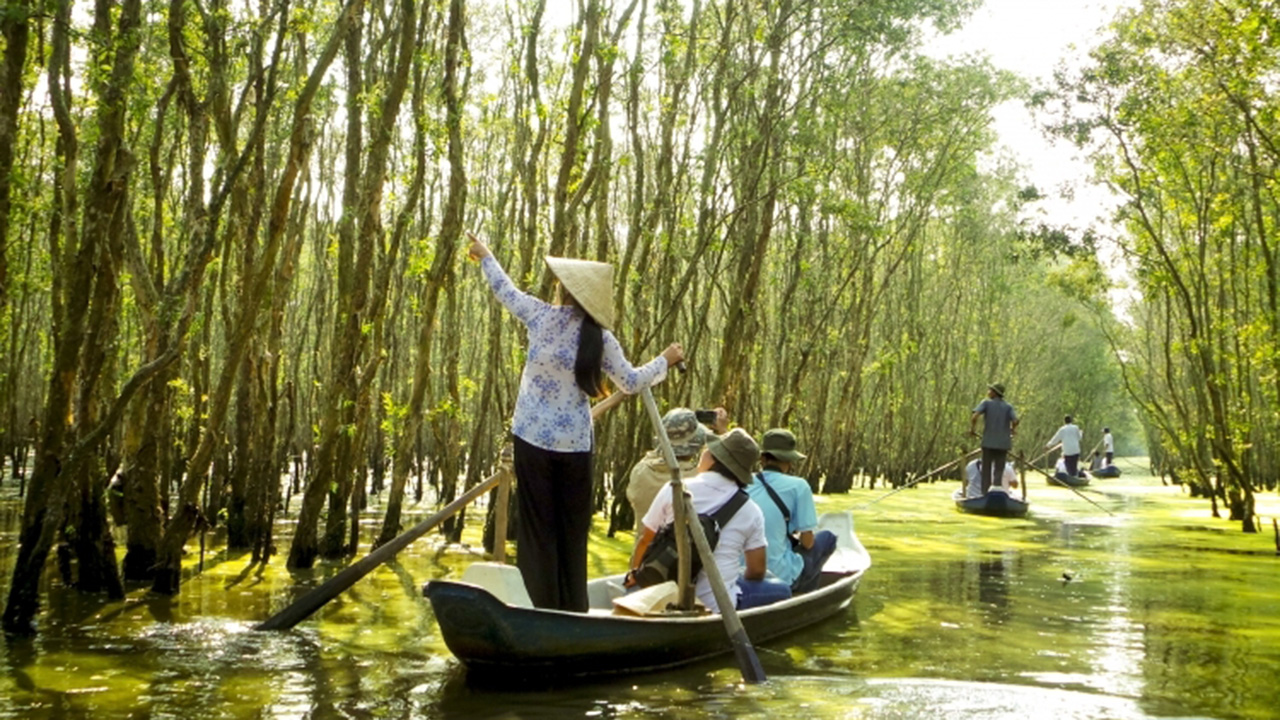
(1000, 424)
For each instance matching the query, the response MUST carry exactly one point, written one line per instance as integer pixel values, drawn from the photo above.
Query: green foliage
(1178, 112)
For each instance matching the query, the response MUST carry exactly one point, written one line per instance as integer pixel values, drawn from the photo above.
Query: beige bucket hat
(590, 283)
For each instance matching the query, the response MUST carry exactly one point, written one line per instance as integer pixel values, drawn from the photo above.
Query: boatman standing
(1000, 424)
(1070, 436)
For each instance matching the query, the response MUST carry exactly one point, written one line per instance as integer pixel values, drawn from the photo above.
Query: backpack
(661, 559)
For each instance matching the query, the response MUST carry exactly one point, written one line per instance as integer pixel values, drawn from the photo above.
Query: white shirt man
(973, 472)
(1070, 436)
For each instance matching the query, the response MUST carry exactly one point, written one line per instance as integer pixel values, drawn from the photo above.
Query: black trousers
(1109, 457)
(993, 462)
(553, 490)
(1072, 463)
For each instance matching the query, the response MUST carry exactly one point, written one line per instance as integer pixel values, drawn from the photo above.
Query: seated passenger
(796, 553)
(687, 438)
(973, 473)
(723, 470)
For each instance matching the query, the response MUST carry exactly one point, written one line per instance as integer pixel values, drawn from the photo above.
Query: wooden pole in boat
(1037, 459)
(684, 579)
(923, 477)
(748, 662)
(500, 511)
(1052, 478)
(302, 608)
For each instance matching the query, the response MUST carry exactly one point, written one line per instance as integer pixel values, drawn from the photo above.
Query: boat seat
(850, 555)
(503, 581)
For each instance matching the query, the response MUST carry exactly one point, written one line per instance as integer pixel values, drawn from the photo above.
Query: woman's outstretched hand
(478, 250)
(674, 354)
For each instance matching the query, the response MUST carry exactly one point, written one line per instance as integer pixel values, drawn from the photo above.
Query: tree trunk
(186, 515)
(450, 235)
(51, 481)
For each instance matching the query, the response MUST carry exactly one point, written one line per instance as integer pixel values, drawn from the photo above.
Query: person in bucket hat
(688, 437)
(1000, 424)
(570, 351)
(796, 552)
(724, 469)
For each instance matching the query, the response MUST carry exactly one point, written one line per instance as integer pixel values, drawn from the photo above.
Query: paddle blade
(748, 661)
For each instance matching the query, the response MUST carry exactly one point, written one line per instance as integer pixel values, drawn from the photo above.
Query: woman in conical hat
(570, 351)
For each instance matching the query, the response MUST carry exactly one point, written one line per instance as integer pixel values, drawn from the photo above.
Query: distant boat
(510, 641)
(1107, 471)
(996, 503)
(1066, 480)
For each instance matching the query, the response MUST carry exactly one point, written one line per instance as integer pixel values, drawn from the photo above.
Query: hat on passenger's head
(591, 285)
(686, 434)
(738, 451)
(781, 444)
(997, 388)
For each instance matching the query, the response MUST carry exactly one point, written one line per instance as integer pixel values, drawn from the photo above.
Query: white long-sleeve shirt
(1069, 435)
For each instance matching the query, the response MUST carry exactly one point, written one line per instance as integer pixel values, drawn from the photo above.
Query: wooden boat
(996, 503)
(1106, 471)
(512, 641)
(1066, 480)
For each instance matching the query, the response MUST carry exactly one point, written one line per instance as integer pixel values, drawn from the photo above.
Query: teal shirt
(795, 494)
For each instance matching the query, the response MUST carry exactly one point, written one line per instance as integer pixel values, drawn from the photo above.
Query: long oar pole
(302, 608)
(748, 662)
(1044, 454)
(923, 477)
(1052, 478)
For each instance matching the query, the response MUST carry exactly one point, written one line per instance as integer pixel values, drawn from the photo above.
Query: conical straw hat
(591, 285)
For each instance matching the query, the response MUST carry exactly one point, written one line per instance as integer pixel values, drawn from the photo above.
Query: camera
(706, 417)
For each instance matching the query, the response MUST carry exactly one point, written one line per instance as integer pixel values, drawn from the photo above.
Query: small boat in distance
(996, 503)
(1066, 480)
(511, 641)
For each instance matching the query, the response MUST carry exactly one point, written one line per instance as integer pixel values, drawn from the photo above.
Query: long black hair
(586, 366)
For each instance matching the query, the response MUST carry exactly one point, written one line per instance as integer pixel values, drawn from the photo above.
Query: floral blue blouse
(551, 411)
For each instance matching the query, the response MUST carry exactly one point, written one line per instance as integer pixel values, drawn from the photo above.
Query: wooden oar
(1044, 454)
(1082, 495)
(604, 405)
(748, 662)
(302, 608)
(924, 477)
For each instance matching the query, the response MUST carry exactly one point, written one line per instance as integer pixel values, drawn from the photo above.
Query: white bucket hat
(591, 285)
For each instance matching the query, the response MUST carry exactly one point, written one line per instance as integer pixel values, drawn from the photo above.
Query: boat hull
(1065, 480)
(494, 638)
(994, 504)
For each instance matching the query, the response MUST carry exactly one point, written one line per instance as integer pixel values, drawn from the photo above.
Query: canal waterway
(1141, 606)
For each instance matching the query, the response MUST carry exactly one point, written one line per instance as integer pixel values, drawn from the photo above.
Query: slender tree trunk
(51, 480)
(450, 235)
(186, 515)
(15, 30)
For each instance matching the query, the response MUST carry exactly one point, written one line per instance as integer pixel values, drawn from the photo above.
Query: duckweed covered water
(1156, 610)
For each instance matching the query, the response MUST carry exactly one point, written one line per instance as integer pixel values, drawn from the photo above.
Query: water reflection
(994, 572)
(1069, 614)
